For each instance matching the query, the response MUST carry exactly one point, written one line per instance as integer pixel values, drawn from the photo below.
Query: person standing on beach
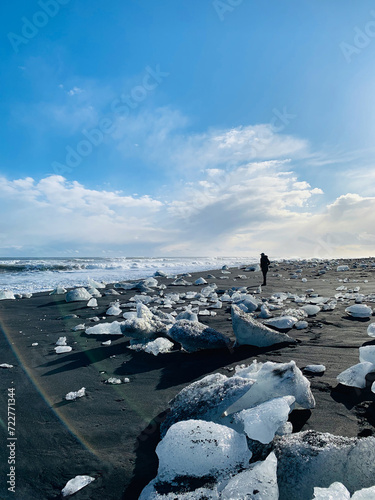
(264, 263)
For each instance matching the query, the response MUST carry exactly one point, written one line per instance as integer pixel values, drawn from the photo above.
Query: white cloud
(164, 139)
(54, 211)
(74, 91)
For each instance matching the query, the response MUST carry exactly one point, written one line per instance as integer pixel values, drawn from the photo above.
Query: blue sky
(187, 127)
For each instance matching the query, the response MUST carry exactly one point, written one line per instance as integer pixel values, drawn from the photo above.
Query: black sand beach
(111, 433)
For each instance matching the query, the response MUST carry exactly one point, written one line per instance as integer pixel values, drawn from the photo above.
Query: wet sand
(112, 432)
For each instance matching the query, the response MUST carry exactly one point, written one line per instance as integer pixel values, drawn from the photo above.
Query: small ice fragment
(92, 303)
(342, 268)
(113, 381)
(114, 310)
(61, 341)
(34, 344)
(59, 290)
(6, 294)
(5, 365)
(107, 342)
(315, 368)
(71, 396)
(76, 484)
(126, 380)
(79, 327)
(200, 281)
(62, 349)
(371, 330)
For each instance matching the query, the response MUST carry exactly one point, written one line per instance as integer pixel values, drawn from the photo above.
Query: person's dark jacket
(264, 262)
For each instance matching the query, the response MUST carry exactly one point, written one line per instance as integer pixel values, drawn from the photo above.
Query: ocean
(42, 274)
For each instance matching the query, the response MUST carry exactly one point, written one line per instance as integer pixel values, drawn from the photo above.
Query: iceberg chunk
(274, 380)
(260, 478)
(206, 399)
(76, 484)
(249, 331)
(359, 311)
(77, 295)
(198, 448)
(113, 328)
(71, 396)
(195, 336)
(355, 376)
(262, 422)
(336, 491)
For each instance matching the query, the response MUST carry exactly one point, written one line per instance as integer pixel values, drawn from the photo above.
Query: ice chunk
(94, 292)
(282, 322)
(6, 294)
(5, 365)
(79, 327)
(77, 295)
(189, 315)
(107, 343)
(367, 353)
(264, 312)
(155, 347)
(359, 311)
(113, 381)
(198, 448)
(195, 336)
(310, 309)
(259, 482)
(364, 494)
(71, 396)
(114, 310)
(200, 281)
(336, 491)
(62, 349)
(342, 268)
(206, 399)
(307, 459)
(371, 330)
(59, 290)
(315, 368)
(76, 484)
(249, 331)
(251, 304)
(355, 376)
(273, 380)
(113, 328)
(92, 303)
(262, 422)
(96, 284)
(146, 325)
(300, 325)
(61, 341)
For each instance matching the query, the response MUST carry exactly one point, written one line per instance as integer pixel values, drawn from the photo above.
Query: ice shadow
(146, 461)
(351, 396)
(78, 359)
(180, 367)
(356, 320)
(298, 419)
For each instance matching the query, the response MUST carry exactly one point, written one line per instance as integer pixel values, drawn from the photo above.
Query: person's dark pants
(264, 271)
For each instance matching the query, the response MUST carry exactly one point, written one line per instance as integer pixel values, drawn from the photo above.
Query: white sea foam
(38, 275)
